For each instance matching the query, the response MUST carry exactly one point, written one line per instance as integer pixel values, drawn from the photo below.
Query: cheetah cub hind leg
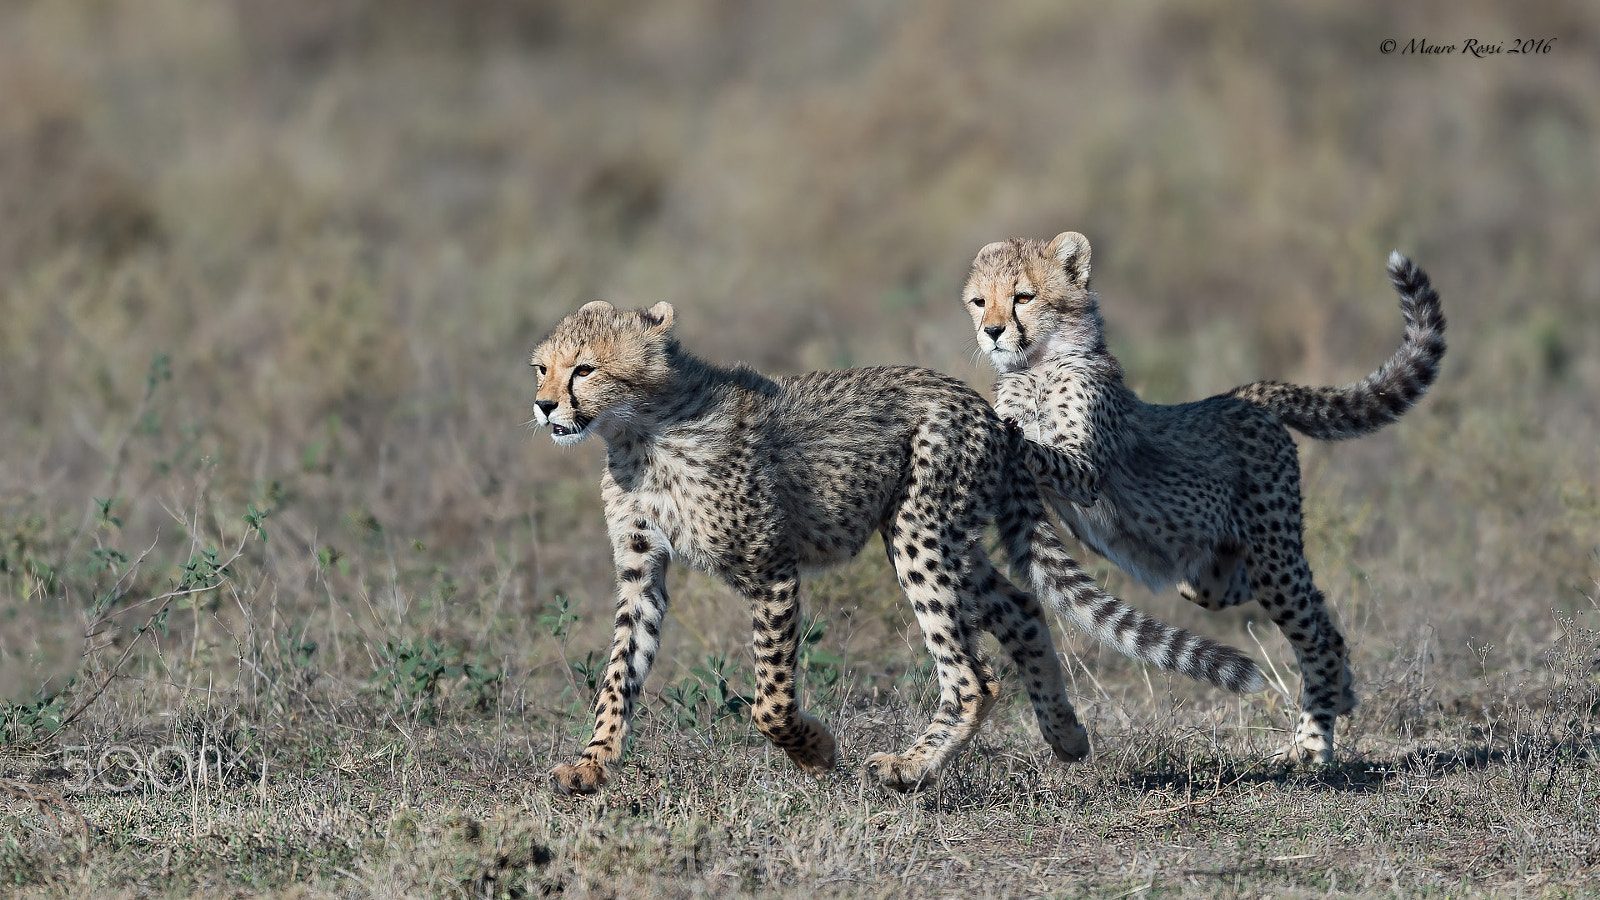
(932, 557)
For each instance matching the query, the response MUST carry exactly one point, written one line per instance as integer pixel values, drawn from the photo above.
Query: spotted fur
(753, 479)
(1206, 494)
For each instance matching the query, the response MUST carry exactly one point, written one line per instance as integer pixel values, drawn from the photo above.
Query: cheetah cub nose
(546, 406)
(994, 331)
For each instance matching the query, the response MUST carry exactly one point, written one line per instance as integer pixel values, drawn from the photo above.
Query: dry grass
(288, 256)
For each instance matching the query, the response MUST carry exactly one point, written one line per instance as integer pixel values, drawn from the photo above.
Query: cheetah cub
(1204, 494)
(753, 479)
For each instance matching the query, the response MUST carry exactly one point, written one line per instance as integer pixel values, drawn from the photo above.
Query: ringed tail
(1063, 586)
(1337, 413)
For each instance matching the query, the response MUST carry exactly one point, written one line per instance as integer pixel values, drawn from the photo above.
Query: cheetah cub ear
(994, 249)
(595, 306)
(658, 318)
(1071, 250)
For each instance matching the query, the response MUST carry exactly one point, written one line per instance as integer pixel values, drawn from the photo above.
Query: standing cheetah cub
(753, 479)
(1204, 494)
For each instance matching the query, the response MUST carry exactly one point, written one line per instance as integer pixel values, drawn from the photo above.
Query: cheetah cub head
(598, 369)
(1030, 299)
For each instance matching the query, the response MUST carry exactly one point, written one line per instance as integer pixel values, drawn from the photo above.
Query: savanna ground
(294, 602)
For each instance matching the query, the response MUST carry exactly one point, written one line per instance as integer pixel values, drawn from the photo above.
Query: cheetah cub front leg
(641, 561)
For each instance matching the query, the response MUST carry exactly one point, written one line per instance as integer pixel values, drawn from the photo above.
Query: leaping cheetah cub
(1205, 494)
(753, 479)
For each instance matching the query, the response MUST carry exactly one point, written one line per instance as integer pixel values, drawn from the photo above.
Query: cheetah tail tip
(1398, 262)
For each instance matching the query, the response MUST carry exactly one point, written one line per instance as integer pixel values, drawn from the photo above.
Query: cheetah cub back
(1204, 495)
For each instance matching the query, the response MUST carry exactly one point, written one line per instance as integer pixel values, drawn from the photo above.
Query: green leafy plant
(684, 699)
(714, 676)
(558, 619)
(414, 673)
(22, 723)
(707, 687)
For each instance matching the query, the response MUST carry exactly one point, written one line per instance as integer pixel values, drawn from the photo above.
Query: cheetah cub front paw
(900, 773)
(583, 778)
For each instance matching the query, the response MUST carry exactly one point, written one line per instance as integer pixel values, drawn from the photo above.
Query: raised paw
(583, 778)
(818, 754)
(900, 773)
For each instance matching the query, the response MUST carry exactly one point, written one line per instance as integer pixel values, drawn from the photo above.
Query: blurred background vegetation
(288, 257)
